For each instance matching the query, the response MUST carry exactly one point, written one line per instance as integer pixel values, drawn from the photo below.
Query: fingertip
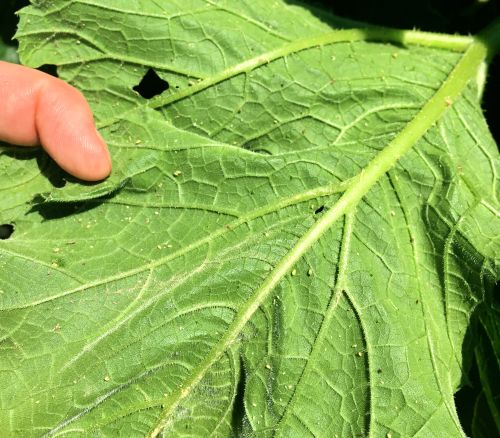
(66, 130)
(93, 161)
(40, 109)
(106, 165)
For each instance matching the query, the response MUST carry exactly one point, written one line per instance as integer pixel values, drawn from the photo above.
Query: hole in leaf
(6, 231)
(50, 69)
(151, 85)
(319, 209)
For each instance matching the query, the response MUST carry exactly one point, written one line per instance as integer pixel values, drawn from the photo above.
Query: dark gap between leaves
(151, 85)
(6, 231)
(465, 398)
(9, 19)
(239, 400)
(476, 340)
(491, 99)
(50, 69)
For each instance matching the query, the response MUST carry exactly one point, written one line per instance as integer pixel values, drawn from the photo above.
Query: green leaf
(292, 243)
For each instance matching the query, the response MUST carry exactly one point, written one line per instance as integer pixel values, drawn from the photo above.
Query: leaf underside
(115, 297)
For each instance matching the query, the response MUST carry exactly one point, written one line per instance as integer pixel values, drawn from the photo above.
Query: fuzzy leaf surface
(115, 298)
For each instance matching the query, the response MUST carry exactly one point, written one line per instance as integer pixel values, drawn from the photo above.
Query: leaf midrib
(431, 112)
(387, 158)
(343, 206)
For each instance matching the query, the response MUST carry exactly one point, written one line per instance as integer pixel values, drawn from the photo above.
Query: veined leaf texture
(294, 241)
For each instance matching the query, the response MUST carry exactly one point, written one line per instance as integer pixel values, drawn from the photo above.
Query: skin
(38, 109)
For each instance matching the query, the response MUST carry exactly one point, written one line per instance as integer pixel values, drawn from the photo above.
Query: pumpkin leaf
(296, 233)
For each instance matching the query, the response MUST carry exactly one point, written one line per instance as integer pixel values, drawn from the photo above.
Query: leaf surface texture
(116, 298)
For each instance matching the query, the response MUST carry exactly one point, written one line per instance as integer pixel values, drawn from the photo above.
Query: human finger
(40, 109)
